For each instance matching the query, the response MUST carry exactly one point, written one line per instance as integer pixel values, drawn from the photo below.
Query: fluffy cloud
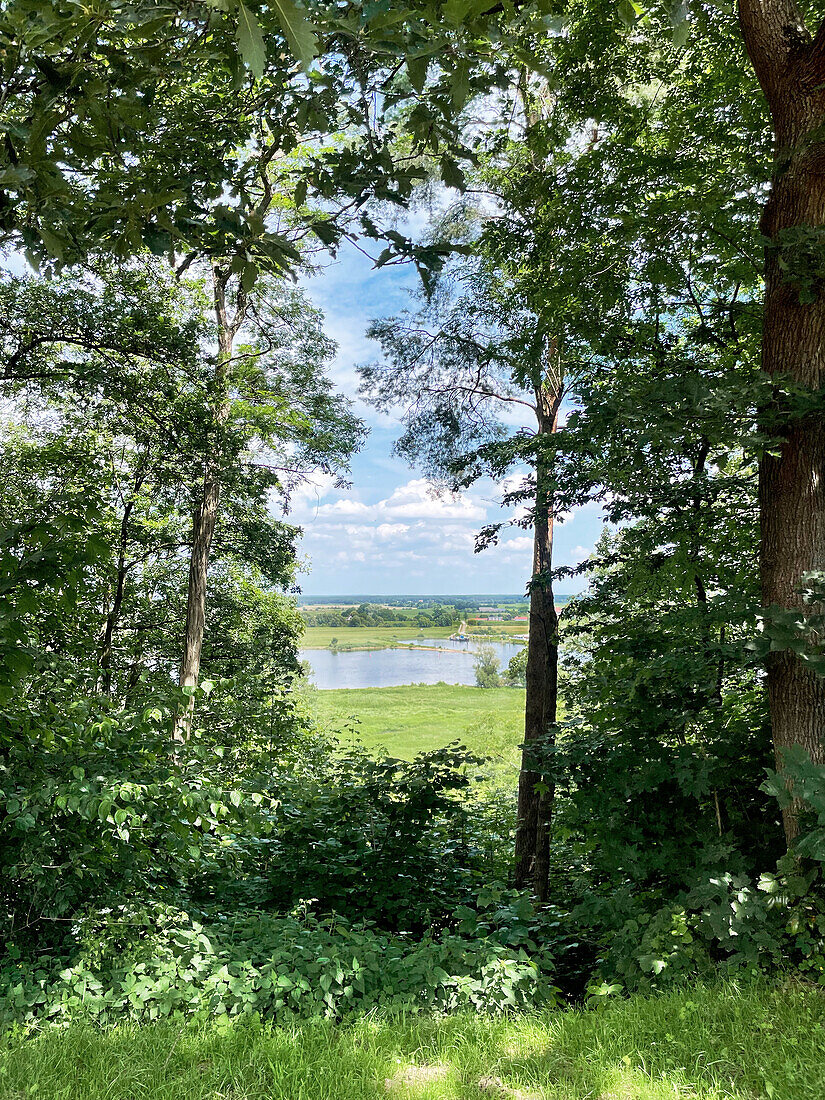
(413, 539)
(414, 501)
(413, 524)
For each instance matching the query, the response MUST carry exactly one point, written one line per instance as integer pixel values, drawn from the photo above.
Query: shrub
(383, 840)
(725, 923)
(516, 674)
(141, 966)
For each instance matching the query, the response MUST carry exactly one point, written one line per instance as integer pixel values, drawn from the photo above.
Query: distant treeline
(460, 603)
(368, 614)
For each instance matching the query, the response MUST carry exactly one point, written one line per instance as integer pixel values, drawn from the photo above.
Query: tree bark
(790, 66)
(536, 790)
(205, 516)
(113, 617)
(107, 641)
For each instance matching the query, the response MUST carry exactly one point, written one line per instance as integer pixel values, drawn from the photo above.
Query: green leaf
(297, 30)
(417, 71)
(251, 43)
(52, 242)
(681, 33)
(460, 85)
(628, 12)
(248, 280)
(451, 173)
(327, 232)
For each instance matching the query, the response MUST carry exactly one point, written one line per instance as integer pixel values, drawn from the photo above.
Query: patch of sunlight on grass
(760, 1043)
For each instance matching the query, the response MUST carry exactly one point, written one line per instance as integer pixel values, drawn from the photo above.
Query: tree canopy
(620, 308)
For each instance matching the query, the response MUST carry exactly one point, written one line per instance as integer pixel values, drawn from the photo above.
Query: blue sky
(388, 533)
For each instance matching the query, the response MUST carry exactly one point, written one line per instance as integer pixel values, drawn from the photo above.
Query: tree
(271, 396)
(452, 367)
(133, 347)
(487, 669)
(516, 674)
(789, 62)
(122, 129)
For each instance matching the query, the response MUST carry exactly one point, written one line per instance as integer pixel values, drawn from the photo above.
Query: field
(417, 717)
(383, 637)
(368, 637)
(759, 1043)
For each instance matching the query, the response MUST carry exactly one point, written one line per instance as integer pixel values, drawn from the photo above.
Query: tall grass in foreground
(760, 1043)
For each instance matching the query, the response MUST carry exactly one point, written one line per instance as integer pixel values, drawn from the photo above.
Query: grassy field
(368, 637)
(757, 1044)
(378, 637)
(417, 717)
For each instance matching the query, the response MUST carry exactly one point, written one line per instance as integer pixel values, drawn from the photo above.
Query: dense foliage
(177, 834)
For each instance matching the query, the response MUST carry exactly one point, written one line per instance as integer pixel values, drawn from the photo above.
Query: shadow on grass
(755, 1044)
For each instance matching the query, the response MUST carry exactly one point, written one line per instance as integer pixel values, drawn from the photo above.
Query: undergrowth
(759, 1042)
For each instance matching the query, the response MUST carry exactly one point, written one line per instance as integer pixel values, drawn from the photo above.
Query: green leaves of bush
(144, 966)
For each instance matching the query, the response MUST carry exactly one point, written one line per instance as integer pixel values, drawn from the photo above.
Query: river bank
(351, 638)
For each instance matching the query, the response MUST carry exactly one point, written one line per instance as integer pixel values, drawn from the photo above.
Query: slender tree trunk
(790, 65)
(113, 617)
(205, 516)
(105, 658)
(536, 790)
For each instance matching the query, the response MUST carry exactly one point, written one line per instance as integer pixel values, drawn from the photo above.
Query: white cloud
(519, 544)
(416, 500)
(391, 530)
(345, 507)
(412, 524)
(312, 489)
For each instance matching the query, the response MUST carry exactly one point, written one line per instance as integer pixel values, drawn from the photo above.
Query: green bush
(728, 924)
(141, 966)
(395, 842)
(516, 674)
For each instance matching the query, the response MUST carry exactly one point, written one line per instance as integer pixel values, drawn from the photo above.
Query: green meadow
(382, 637)
(760, 1043)
(403, 721)
(368, 637)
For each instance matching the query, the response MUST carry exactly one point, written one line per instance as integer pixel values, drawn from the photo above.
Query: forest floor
(761, 1043)
(420, 717)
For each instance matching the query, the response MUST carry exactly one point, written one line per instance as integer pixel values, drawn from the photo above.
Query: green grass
(368, 637)
(419, 717)
(758, 1044)
(384, 637)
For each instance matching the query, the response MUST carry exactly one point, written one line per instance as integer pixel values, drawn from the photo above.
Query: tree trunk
(790, 65)
(205, 517)
(536, 790)
(110, 625)
(107, 641)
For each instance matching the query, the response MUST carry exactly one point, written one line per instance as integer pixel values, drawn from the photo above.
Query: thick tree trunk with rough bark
(205, 517)
(790, 65)
(535, 791)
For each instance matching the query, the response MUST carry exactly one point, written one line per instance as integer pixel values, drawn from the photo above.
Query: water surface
(451, 662)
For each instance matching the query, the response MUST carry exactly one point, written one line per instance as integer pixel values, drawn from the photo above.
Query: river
(448, 662)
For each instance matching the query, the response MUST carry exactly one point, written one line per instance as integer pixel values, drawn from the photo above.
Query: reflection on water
(451, 662)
